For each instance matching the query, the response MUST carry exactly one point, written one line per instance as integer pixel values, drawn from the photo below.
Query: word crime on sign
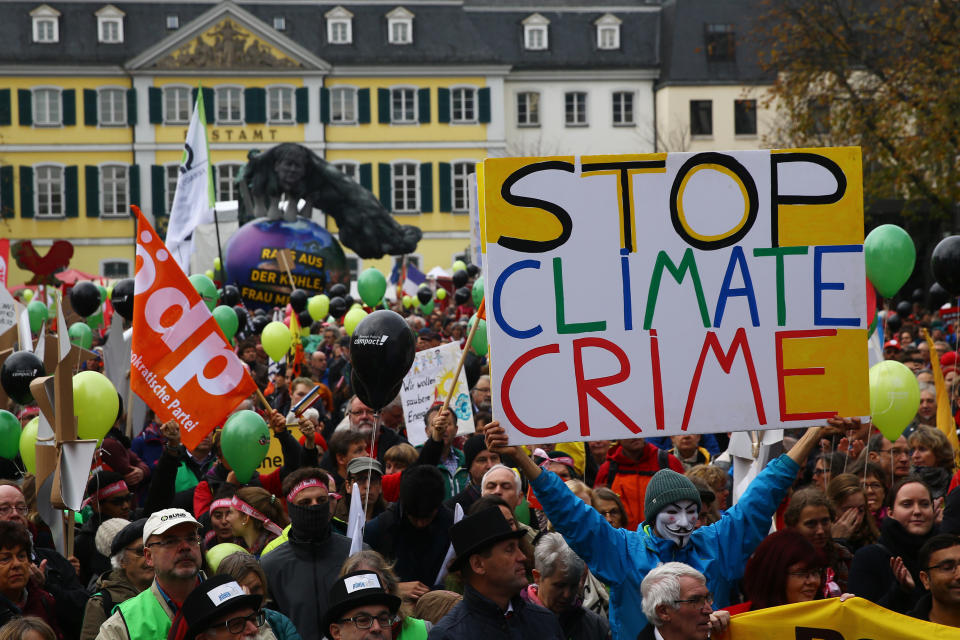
(658, 294)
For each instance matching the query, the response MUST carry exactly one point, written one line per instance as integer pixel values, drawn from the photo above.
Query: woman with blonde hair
(257, 516)
(853, 525)
(246, 570)
(932, 458)
(407, 627)
(27, 628)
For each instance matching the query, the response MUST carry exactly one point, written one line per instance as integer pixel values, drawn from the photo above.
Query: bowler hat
(214, 599)
(354, 590)
(477, 532)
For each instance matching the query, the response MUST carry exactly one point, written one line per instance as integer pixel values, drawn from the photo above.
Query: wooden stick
(463, 357)
(263, 401)
(69, 529)
(284, 259)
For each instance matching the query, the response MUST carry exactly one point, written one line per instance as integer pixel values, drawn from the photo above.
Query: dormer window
(173, 22)
(280, 23)
(400, 26)
(535, 33)
(46, 24)
(608, 31)
(110, 25)
(339, 26)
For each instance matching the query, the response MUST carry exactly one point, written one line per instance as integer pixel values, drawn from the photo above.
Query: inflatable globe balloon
(251, 261)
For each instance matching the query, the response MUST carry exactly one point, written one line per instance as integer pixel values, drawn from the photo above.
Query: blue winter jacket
(622, 558)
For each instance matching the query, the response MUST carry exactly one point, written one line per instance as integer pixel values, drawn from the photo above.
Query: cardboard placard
(428, 381)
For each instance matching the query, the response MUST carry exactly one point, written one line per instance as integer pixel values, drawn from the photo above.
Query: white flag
(356, 520)
(193, 200)
(451, 554)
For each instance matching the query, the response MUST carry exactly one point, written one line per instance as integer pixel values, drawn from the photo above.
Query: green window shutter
(303, 104)
(155, 102)
(255, 105)
(324, 105)
(383, 106)
(158, 186)
(69, 99)
(133, 177)
(92, 181)
(131, 107)
(363, 106)
(210, 105)
(385, 177)
(443, 169)
(26, 191)
(443, 105)
(71, 191)
(483, 97)
(6, 113)
(6, 191)
(423, 105)
(25, 107)
(426, 187)
(366, 176)
(90, 108)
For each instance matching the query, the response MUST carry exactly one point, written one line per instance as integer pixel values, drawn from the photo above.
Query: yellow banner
(855, 619)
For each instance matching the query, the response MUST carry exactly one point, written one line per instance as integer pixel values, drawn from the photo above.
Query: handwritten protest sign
(428, 381)
(658, 294)
(8, 310)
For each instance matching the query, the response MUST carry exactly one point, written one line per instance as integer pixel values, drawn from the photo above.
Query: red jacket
(632, 477)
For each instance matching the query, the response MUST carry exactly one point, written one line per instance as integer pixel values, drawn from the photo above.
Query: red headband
(561, 459)
(306, 484)
(243, 507)
(222, 503)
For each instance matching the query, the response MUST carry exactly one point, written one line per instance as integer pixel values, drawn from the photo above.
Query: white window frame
(416, 187)
(354, 169)
(120, 121)
(118, 211)
(580, 116)
(474, 106)
(106, 261)
(465, 185)
(414, 111)
(172, 21)
(608, 24)
(339, 17)
(63, 190)
(402, 19)
(171, 173)
(234, 190)
(278, 88)
(529, 123)
(45, 15)
(279, 23)
(109, 15)
(536, 33)
(633, 108)
(166, 113)
(57, 94)
(339, 91)
(219, 101)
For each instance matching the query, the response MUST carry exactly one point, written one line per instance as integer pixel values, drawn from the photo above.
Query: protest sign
(429, 380)
(8, 310)
(181, 365)
(658, 294)
(855, 619)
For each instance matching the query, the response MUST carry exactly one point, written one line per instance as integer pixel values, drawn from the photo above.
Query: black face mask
(309, 524)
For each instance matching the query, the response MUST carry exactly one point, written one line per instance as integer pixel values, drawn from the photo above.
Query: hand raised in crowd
(277, 422)
(847, 523)
(851, 449)
(38, 574)
(497, 442)
(309, 430)
(134, 476)
(170, 430)
(902, 574)
(75, 562)
(719, 621)
(411, 591)
(442, 421)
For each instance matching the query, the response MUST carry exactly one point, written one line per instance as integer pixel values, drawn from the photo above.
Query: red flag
(181, 365)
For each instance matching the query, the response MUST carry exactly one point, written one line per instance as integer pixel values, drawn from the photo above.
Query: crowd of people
(468, 535)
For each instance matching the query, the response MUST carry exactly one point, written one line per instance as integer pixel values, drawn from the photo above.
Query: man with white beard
(361, 419)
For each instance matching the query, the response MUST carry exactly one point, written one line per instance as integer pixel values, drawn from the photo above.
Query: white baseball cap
(160, 521)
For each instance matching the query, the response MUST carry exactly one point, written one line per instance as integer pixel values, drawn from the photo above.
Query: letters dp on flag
(181, 364)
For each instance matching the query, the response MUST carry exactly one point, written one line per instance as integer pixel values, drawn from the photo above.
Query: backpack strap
(612, 468)
(106, 601)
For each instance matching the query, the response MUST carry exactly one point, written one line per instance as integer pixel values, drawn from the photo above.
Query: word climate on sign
(668, 293)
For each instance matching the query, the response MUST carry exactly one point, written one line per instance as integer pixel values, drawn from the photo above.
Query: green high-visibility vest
(145, 617)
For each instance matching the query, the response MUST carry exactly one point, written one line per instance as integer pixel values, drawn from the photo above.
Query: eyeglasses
(360, 412)
(173, 543)
(947, 566)
(365, 620)
(6, 509)
(610, 512)
(238, 624)
(809, 573)
(137, 550)
(873, 486)
(698, 601)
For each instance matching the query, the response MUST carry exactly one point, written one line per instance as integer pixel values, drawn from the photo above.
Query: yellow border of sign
(683, 218)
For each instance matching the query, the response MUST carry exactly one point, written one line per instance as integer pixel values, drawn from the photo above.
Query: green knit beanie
(666, 487)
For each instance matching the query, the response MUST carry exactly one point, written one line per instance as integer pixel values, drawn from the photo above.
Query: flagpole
(223, 265)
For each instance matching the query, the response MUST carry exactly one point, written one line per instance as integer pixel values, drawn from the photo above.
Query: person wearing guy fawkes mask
(302, 570)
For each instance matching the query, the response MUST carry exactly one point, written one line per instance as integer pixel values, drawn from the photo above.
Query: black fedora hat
(355, 590)
(214, 599)
(477, 532)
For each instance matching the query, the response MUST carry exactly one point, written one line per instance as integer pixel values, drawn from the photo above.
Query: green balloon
(244, 442)
(9, 435)
(95, 321)
(95, 404)
(226, 317)
(372, 285)
(889, 254)
(217, 553)
(441, 293)
(408, 301)
(318, 307)
(28, 445)
(353, 318)
(894, 397)
(207, 290)
(38, 314)
(459, 265)
(104, 294)
(477, 292)
(479, 342)
(427, 308)
(81, 335)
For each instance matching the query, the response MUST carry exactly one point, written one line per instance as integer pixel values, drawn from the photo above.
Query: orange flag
(181, 364)
(945, 421)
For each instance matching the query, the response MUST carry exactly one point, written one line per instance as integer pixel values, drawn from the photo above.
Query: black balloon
(349, 301)
(460, 278)
(904, 308)
(85, 298)
(338, 307)
(18, 371)
(946, 264)
(424, 294)
(121, 298)
(230, 295)
(381, 351)
(241, 318)
(917, 295)
(298, 300)
(337, 291)
(938, 295)
(473, 270)
(259, 323)
(305, 319)
(461, 295)
(891, 324)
